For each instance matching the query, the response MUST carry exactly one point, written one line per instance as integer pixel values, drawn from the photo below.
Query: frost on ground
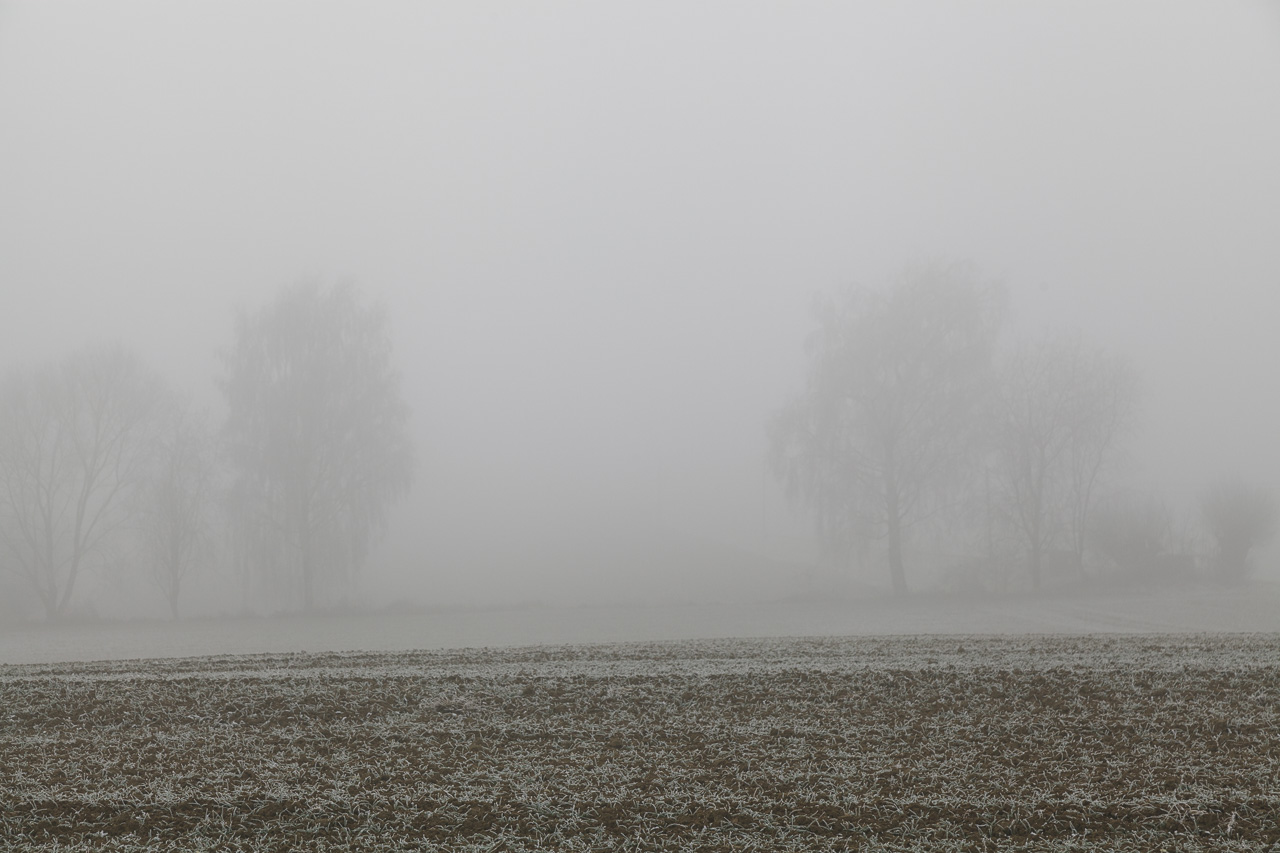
(926, 743)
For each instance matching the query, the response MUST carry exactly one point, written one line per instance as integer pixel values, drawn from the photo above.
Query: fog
(597, 230)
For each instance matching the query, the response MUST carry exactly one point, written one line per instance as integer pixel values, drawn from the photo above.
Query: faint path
(1254, 609)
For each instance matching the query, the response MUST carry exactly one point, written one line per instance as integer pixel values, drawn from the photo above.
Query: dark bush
(1239, 517)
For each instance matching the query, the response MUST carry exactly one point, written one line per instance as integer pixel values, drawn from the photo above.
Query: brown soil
(1098, 743)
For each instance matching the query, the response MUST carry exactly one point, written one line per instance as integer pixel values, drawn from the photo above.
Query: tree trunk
(1034, 560)
(1035, 540)
(1078, 555)
(893, 515)
(308, 590)
(175, 572)
(64, 600)
(896, 573)
(49, 602)
(173, 598)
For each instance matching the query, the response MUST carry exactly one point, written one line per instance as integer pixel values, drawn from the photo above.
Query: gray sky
(597, 226)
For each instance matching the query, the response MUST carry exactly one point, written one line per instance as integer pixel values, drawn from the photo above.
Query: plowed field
(941, 743)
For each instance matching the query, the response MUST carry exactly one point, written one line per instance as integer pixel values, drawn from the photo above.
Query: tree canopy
(893, 403)
(317, 433)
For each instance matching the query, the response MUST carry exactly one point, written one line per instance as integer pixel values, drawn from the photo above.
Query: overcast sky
(597, 227)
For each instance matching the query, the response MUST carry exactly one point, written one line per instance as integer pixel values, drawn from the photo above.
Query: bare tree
(1240, 517)
(74, 438)
(1106, 400)
(897, 381)
(316, 431)
(1060, 413)
(176, 501)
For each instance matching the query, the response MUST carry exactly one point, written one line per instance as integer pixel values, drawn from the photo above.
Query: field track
(927, 743)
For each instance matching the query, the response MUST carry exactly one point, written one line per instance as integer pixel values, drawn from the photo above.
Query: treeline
(924, 437)
(923, 428)
(108, 471)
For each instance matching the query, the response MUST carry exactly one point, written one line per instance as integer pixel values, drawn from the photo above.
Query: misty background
(597, 231)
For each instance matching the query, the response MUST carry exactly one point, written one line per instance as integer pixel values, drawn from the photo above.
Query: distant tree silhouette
(1060, 412)
(1240, 517)
(177, 500)
(317, 434)
(75, 438)
(1132, 533)
(897, 383)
